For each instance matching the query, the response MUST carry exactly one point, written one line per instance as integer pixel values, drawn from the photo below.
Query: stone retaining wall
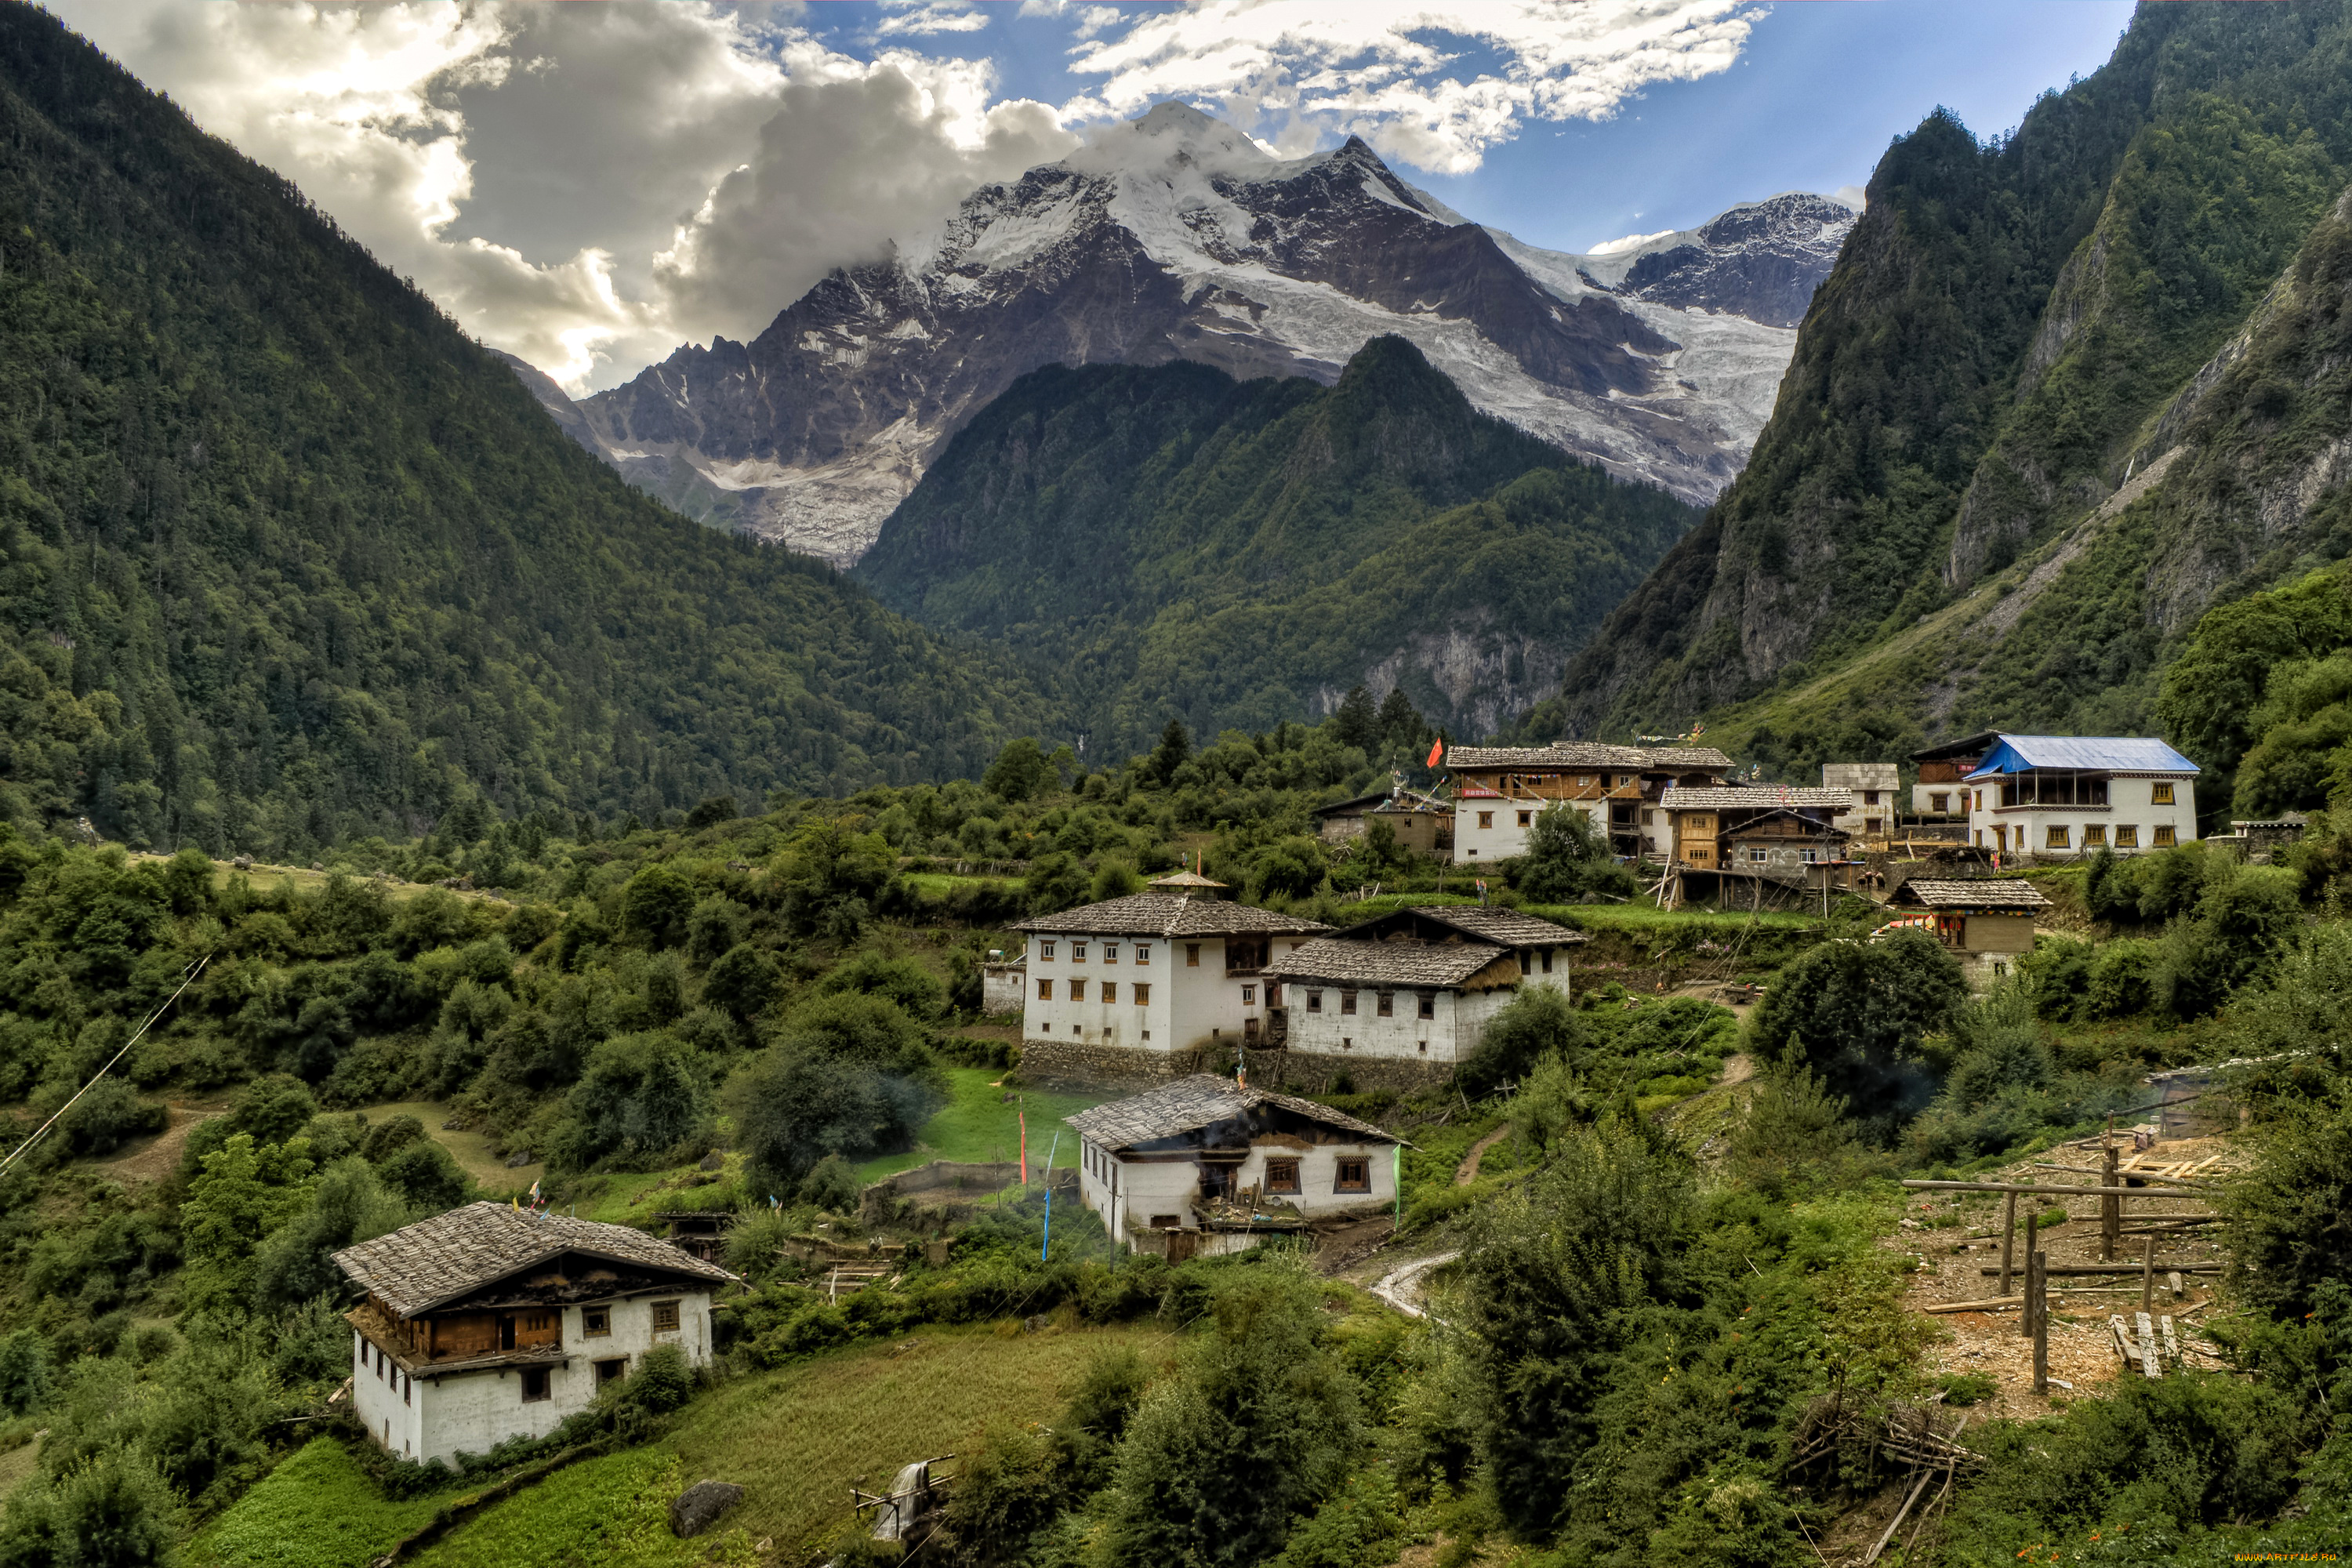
(1064, 1061)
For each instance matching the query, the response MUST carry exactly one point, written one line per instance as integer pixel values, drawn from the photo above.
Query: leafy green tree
(1056, 881)
(711, 811)
(1188, 1490)
(656, 904)
(1856, 1013)
(348, 1206)
(2244, 921)
(716, 925)
(1556, 1269)
(25, 1371)
(1291, 867)
(1540, 1021)
(1567, 859)
(112, 1511)
(743, 982)
(1019, 772)
(242, 1194)
(849, 1075)
(641, 1098)
(1114, 879)
(425, 1177)
(1175, 749)
(900, 980)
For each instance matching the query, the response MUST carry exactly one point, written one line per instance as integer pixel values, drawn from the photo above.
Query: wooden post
(2148, 1278)
(2038, 1292)
(2025, 1318)
(2111, 1211)
(2151, 1362)
(2007, 1238)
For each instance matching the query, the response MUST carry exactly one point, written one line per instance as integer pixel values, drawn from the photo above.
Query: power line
(189, 978)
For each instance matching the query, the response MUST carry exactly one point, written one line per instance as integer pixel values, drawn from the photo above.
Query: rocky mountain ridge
(1174, 237)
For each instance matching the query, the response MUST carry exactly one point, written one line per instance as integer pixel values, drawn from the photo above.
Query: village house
(1417, 823)
(1987, 923)
(1783, 835)
(1136, 986)
(490, 1322)
(1499, 789)
(1940, 791)
(1208, 1164)
(1876, 788)
(1411, 989)
(2058, 796)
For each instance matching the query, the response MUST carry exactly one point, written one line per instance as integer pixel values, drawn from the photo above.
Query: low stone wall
(1064, 1061)
(974, 1176)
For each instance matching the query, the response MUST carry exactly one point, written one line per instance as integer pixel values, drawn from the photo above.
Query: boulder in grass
(698, 1508)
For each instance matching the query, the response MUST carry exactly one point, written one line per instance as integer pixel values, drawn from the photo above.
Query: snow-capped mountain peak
(1178, 236)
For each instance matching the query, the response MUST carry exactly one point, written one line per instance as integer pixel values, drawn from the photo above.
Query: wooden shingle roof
(1201, 1100)
(1760, 797)
(1401, 963)
(1169, 915)
(1989, 893)
(1487, 923)
(1589, 755)
(421, 1266)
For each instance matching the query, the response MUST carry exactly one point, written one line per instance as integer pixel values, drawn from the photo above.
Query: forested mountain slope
(2032, 429)
(284, 556)
(1167, 539)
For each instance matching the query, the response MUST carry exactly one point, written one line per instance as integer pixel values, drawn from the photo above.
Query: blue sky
(589, 183)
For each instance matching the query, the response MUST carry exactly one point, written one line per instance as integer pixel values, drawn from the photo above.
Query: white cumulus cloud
(1433, 87)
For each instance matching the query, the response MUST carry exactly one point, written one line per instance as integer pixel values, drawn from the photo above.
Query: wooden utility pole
(2025, 1318)
(2148, 1276)
(2007, 1238)
(2111, 1208)
(2038, 1303)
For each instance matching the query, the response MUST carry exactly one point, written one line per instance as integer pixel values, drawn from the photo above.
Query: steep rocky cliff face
(1166, 539)
(1176, 238)
(2012, 333)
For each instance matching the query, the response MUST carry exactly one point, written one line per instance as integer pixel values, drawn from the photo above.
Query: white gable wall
(1191, 1003)
(473, 1412)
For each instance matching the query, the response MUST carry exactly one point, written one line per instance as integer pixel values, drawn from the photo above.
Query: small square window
(1355, 1175)
(1526, 817)
(1429, 1005)
(2159, 795)
(2056, 838)
(1282, 1176)
(1939, 803)
(1388, 1003)
(1077, 990)
(1315, 1001)
(2094, 835)
(1143, 997)
(1044, 991)
(595, 1322)
(1046, 951)
(1249, 995)
(1347, 1003)
(1110, 953)
(1110, 991)
(1424, 1048)
(535, 1384)
(1077, 952)
(2162, 838)
(1191, 956)
(665, 1317)
(1485, 819)
(1346, 1044)
(611, 1370)
(1142, 952)
(2127, 835)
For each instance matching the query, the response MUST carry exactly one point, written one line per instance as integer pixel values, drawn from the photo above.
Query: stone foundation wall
(1308, 1072)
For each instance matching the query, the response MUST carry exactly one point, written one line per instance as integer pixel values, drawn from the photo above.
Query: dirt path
(159, 1155)
(1737, 1069)
(1407, 1288)
(1468, 1173)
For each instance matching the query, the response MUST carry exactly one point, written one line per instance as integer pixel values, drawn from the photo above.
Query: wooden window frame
(1315, 1001)
(1191, 956)
(1142, 989)
(1077, 952)
(2163, 837)
(1143, 952)
(1352, 1173)
(1077, 990)
(2127, 835)
(1044, 991)
(539, 1378)
(1110, 953)
(1282, 1179)
(2057, 836)
(1046, 952)
(1109, 992)
(1485, 819)
(2095, 835)
(2160, 795)
(1386, 1005)
(595, 1322)
(1347, 1003)
(1428, 1005)
(667, 1317)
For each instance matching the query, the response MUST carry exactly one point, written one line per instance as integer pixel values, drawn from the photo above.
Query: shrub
(1857, 1012)
(1536, 1023)
(641, 1099)
(107, 1117)
(1567, 860)
(743, 980)
(900, 980)
(1794, 1138)
(112, 1511)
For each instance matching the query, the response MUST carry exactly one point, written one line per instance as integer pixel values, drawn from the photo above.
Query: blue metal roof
(2091, 754)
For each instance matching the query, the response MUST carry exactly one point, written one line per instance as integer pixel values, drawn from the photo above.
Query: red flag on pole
(1437, 750)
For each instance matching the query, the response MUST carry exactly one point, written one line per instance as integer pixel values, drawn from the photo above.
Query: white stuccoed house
(490, 1322)
(1414, 986)
(1207, 1164)
(2054, 798)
